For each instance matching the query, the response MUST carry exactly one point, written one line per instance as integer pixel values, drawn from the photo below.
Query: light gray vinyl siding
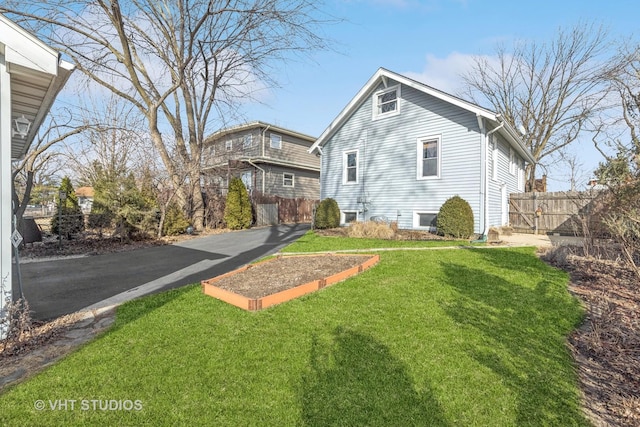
(503, 178)
(388, 159)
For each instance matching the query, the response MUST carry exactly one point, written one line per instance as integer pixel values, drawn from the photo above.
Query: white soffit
(37, 75)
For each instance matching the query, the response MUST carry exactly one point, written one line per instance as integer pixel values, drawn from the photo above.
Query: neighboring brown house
(270, 160)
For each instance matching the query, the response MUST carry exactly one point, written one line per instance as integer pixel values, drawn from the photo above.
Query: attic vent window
(386, 102)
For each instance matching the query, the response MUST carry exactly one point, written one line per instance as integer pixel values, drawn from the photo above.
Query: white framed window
(275, 141)
(494, 159)
(247, 140)
(287, 180)
(349, 216)
(350, 167)
(229, 145)
(247, 180)
(386, 102)
(429, 154)
(425, 220)
(512, 161)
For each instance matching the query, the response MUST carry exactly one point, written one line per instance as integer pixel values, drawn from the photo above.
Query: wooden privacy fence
(267, 214)
(560, 212)
(275, 210)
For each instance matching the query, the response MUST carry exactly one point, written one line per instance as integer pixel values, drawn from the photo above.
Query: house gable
(424, 149)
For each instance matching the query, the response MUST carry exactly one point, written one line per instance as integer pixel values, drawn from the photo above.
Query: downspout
(485, 185)
(264, 175)
(261, 170)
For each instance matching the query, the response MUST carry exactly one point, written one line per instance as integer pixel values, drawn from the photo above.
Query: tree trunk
(530, 185)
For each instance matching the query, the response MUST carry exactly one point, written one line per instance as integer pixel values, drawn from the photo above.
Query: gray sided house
(400, 149)
(270, 160)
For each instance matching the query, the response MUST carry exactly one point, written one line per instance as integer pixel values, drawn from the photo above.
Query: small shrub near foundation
(370, 229)
(327, 214)
(455, 218)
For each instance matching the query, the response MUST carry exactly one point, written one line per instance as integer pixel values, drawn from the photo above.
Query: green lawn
(425, 338)
(311, 242)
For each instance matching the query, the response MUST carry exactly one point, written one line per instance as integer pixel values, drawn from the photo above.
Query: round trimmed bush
(327, 214)
(455, 219)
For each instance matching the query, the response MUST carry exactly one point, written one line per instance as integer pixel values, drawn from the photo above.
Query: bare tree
(549, 89)
(40, 155)
(616, 132)
(115, 146)
(183, 63)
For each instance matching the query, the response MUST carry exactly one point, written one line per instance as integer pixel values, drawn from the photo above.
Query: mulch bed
(285, 272)
(606, 347)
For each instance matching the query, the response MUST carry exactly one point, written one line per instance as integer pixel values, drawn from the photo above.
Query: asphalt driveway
(55, 288)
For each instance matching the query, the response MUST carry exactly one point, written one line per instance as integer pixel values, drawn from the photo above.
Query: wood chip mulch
(606, 347)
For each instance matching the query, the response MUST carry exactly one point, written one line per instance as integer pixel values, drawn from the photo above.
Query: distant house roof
(258, 124)
(85, 192)
(383, 75)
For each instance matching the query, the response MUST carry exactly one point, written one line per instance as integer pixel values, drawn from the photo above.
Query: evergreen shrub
(237, 209)
(455, 219)
(327, 214)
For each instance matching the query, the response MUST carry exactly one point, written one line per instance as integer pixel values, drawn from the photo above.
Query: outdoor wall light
(22, 125)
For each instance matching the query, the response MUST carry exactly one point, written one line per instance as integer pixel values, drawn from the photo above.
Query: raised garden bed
(276, 280)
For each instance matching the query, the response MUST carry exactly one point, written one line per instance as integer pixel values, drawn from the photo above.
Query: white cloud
(444, 73)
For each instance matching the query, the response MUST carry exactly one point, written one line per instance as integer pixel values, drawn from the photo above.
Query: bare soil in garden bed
(286, 272)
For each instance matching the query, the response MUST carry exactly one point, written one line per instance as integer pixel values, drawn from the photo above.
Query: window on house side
(247, 180)
(229, 145)
(387, 102)
(276, 141)
(351, 167)
(287, 180)
(350, 216)
(247, 141)
(425, 220)
(429, 157)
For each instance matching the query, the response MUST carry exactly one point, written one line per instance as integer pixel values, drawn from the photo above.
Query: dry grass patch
(370, 229)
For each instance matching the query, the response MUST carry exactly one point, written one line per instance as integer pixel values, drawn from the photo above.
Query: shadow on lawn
(521, 332)
(355, 380)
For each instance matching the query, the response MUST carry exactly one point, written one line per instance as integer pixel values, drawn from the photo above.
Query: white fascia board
(346, 111)
(383, 74)
(24, 49)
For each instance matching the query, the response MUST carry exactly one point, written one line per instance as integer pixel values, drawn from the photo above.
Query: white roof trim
(382, 75)
(24, 49)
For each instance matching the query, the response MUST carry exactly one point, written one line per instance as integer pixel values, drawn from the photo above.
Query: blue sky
(431, 41)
